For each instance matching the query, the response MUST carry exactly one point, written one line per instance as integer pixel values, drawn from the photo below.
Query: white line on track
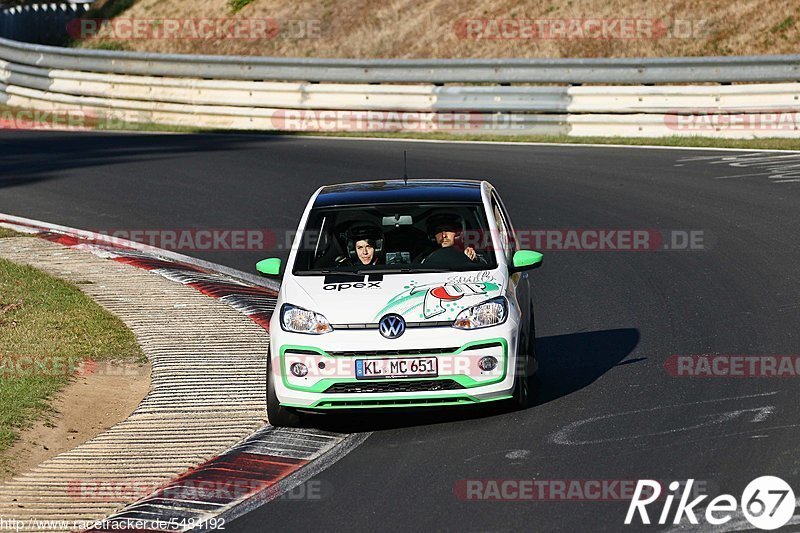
(562, 436)
(784, 168)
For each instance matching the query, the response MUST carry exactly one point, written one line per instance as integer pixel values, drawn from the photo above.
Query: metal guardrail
(405, 97)
(496, 71)
(627, 97)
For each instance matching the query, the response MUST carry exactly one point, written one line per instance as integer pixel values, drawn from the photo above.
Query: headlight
(299, 320)
(489, 313)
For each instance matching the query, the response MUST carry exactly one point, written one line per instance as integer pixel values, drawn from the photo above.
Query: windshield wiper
(363, 271)
(326, 271)
(402, 271)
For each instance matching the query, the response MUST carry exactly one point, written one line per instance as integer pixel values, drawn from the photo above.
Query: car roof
(400, 191)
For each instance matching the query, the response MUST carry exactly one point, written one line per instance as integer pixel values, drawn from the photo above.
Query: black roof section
(397, 191)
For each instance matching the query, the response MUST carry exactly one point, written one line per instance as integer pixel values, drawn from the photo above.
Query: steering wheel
(446, 257)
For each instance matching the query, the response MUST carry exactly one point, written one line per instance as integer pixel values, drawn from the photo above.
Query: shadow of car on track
(567, 363)
(30, 156)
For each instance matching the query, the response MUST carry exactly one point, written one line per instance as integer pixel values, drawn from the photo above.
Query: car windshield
(395, 238)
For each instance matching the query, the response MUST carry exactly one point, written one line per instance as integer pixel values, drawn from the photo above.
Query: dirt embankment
(452, 28)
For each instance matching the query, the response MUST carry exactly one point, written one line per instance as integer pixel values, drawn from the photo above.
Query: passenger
(445, 229)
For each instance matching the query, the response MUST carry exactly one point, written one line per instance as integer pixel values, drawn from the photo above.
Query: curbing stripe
(254, 301)
(253, 472)
(250, 474)
(28, 225)
(255, 501)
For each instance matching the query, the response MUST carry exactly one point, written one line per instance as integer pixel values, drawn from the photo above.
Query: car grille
(394, 386)
(420, 351)
(371, 353)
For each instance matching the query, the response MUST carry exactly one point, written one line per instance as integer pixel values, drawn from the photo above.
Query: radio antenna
(405, 167)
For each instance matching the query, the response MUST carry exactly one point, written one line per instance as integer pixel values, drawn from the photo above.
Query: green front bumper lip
(465, 381)
(384, 402)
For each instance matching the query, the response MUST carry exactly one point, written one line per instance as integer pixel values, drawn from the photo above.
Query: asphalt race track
(607, 322)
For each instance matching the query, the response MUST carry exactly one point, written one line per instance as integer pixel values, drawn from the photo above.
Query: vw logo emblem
(392, 326)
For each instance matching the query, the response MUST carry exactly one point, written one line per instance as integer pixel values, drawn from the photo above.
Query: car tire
(522, 397)
(524, 384)
(278, 415)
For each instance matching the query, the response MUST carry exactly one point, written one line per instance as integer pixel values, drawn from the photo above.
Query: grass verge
(768, 143)
(48, 327)
(238, 5)
(5, 232)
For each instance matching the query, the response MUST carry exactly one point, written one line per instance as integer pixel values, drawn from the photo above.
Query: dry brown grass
(418, 29)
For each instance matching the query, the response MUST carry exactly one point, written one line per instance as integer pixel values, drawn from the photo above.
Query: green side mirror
(269, 267)
(526, 260)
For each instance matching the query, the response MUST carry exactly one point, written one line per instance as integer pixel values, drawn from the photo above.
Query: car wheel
(278, 415)
(524, 383)
(532, 346)
(521, 395)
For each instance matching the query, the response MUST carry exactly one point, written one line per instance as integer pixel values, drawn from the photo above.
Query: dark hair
(444, 222)
(364, 232)
(369, 240)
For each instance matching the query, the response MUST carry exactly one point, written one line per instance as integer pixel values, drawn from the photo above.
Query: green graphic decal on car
(438, 299)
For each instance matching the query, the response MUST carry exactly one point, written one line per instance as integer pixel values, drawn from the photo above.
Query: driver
(445, 229)
(364, 245)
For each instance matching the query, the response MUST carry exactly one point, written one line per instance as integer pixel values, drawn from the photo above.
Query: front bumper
(331, 360)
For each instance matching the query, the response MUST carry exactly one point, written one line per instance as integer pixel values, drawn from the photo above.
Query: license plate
(420, 367)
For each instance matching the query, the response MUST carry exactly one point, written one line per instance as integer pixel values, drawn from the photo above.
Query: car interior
(408, 237)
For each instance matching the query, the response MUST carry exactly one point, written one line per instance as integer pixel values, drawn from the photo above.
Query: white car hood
(364, 299)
